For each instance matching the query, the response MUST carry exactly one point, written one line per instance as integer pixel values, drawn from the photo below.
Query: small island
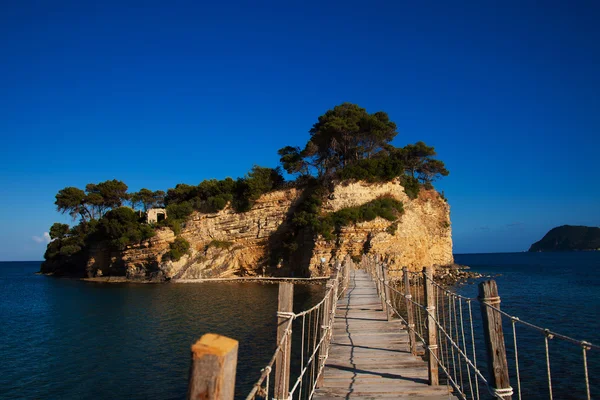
(351, 192)
(569, 238)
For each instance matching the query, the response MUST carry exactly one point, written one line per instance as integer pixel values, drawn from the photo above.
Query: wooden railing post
(386, 291)
(409, 311)
(494, 339)
(282, 361)
(377, 273)
(432, 345)
(349, 265)
(326, 330)
(212, 370)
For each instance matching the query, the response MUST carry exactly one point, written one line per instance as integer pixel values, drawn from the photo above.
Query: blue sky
(155, 93)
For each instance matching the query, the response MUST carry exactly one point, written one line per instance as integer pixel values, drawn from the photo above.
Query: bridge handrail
(447, 322)
(520, 321)
(335, 289)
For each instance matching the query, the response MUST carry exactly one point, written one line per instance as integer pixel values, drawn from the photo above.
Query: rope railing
(443, 324)
(314, 327)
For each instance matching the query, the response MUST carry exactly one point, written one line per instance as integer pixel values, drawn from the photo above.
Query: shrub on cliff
(179, 211)
(177, 249)
(411, 186)
(213, 195)
(257, 182)
(385, 207)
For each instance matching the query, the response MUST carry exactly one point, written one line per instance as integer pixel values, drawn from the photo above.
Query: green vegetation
(385, 207)
(122, 227)
(392, 228)
(147, 199)
(177, 249)
(102, 217)
(173, 224)
(213, 195)
(346, 143)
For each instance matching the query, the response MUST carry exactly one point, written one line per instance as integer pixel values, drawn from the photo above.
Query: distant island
(569, 238)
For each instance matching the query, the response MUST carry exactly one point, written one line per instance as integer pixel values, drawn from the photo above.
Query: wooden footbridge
(374, 337)
(369, 356)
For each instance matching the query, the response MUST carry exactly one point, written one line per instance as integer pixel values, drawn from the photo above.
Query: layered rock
(221, 244)
(229, 243)
(422, 237)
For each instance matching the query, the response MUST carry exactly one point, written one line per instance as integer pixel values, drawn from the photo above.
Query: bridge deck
(369, 357)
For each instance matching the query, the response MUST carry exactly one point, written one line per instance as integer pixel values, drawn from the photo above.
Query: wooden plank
(369, 357)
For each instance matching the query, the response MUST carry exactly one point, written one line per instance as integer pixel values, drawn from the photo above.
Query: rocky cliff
(228, 243)
(423, 236)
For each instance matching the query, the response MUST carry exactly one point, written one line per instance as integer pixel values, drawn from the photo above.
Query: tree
(121, 227)
(179, 211)
(181, 192)
(159, 198)
(343, 135)
(419, 162)
(292, 160)
(431, 170)
(257, 182)
(72, 200)
(261, 180)
(145, 198)
(58, 231)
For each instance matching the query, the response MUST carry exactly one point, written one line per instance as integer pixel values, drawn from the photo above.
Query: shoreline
(447, 275)
(269, 280)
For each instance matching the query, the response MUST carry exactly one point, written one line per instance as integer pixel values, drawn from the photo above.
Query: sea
(69, 339)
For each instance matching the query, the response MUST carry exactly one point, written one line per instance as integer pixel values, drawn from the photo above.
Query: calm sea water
(66, 339)
(557, 291)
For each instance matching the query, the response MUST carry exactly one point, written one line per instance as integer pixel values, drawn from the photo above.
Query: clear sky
(160, 92)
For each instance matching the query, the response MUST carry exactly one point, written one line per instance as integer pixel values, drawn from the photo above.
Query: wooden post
(494, 339)
(410, 312)
(325, 330)
(349, 267)
(386, 291)
(282, 361)
(377, 273)
(431, 327)
(212, 371)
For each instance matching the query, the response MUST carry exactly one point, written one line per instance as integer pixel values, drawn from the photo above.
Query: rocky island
(352, 193)
(569, 238)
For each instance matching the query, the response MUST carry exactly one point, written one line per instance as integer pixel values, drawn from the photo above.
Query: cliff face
(227, 243)
(221, 244)
(423, 236)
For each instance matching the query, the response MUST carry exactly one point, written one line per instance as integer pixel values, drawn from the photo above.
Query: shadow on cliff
(289, 248)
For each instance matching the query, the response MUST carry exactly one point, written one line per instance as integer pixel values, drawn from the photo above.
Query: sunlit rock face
(423, 236)
(228, 244)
